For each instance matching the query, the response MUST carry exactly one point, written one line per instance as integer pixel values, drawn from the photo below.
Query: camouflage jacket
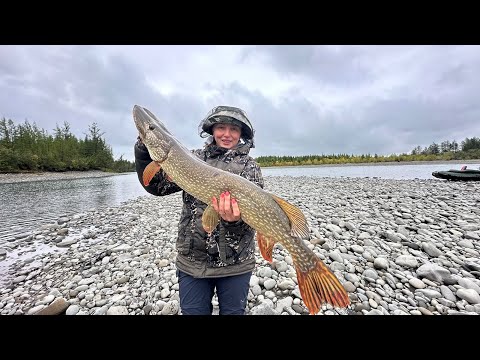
(230, 249)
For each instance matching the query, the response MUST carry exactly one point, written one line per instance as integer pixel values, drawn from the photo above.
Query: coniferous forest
(25, 147)
(468, 149)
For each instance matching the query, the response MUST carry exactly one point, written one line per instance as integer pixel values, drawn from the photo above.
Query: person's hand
(227, 207)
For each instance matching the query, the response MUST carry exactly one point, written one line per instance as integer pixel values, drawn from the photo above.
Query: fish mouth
(145, 120)
(142, 120)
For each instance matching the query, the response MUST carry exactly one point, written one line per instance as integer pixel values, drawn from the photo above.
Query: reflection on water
(27, 205)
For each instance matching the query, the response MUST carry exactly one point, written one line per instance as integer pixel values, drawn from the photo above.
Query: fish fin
(265, 245)
(210, 219)
(150, 172)
(298, 222)
(318, 285)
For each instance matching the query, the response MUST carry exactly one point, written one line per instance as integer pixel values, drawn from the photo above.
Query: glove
(141, 151)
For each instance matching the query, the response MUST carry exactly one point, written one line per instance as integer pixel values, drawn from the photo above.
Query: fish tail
(319, 285)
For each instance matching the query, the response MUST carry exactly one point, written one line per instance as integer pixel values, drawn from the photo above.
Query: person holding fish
(220, 261)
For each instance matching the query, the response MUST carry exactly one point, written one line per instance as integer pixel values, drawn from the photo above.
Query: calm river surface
(27, 205)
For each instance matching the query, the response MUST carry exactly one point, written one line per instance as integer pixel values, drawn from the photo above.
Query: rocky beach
(400, 247)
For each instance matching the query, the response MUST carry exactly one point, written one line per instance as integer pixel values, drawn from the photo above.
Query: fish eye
(151, 127)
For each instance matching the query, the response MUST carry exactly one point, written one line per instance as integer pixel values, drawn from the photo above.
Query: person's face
(226, 135)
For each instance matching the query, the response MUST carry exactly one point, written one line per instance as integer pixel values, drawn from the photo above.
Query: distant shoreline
(393, 163)
(8, 178)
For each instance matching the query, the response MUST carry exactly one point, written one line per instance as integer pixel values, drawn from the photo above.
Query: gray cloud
(301, 99)
(337, 65)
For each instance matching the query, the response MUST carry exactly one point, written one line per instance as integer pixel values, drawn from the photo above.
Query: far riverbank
(386, 163)
(8, 178)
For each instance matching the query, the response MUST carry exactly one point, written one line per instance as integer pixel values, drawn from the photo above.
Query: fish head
(153, 133)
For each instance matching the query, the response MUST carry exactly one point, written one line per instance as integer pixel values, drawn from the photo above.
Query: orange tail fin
(319, 285)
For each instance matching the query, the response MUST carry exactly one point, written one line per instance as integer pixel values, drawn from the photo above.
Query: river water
(27, 205)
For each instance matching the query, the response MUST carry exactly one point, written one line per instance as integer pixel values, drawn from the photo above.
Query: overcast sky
(300, 99)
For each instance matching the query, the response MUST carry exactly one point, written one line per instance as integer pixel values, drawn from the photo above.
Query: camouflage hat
(228, 115)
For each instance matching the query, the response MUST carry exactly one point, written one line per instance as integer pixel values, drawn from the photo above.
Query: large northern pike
(274, 219)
